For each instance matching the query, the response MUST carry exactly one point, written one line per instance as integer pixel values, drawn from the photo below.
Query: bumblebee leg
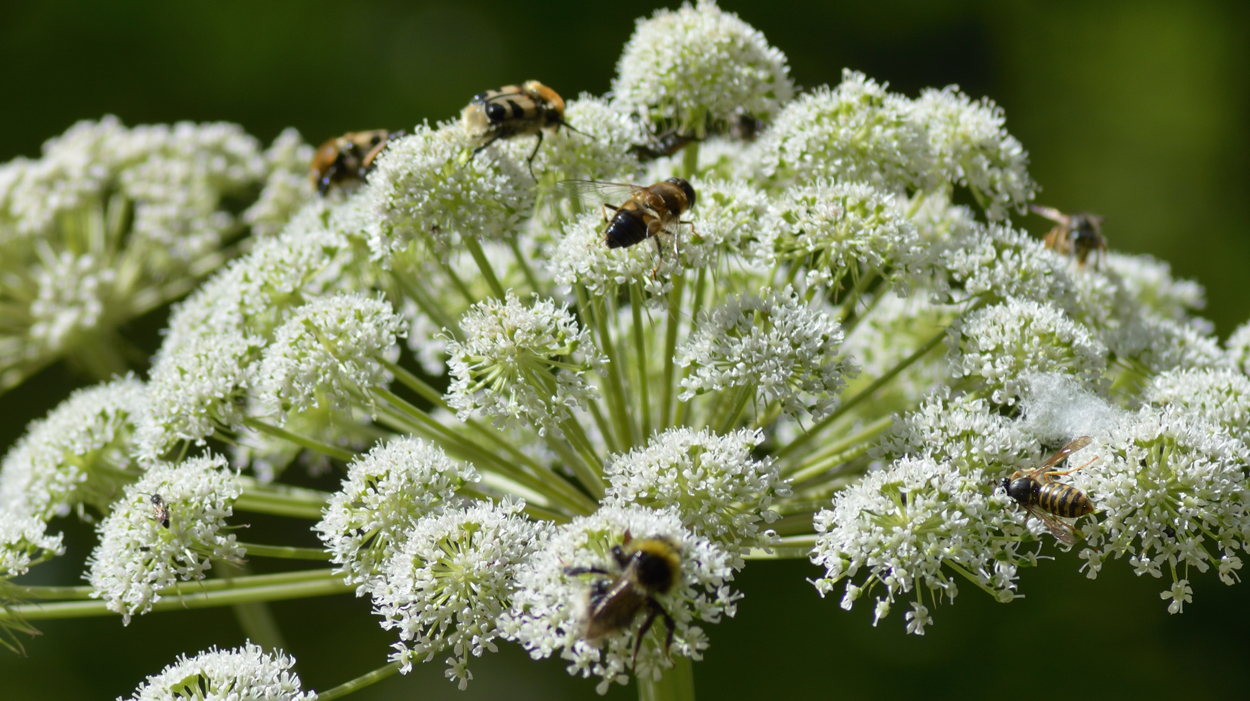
(575, 571)
(659, 257)
(653, 608)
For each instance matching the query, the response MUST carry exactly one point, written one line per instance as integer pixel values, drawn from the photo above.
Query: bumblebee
(348, 157)
(1075, 235)
(1038, 493)
(646, 567)
(530, 108)
(160, 510)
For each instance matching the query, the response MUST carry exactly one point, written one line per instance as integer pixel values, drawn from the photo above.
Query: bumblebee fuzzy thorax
(654, 564)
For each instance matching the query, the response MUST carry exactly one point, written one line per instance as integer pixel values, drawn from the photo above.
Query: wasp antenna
(572, 128)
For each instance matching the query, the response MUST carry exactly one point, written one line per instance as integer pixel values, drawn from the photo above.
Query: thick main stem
(676, 684)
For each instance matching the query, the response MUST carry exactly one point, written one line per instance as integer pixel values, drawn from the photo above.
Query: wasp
(348, 157)
(646, 567)
(1044, 498)
(530, 108)
(160, 510)
(648, 212)
(1075, 235)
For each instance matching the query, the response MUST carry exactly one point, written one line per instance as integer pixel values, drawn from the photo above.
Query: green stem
(831, 449)
(640, 357)
(193, 595)
(616, 407)
(479, 256)
(456, 282)
(523, 264)
(865, 393)
(823, 466)
(303, 442)
(792, 548)
(360, 682)
(690, 163)
(677, 684)
(670, 349)
(280, 500)
(695, 308)
(257, 621)
(285, 552)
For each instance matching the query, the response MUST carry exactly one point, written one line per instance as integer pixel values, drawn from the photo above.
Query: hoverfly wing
(596, 192)
(1050, 213)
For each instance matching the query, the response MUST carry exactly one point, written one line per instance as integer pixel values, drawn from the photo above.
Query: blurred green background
(1134, 110)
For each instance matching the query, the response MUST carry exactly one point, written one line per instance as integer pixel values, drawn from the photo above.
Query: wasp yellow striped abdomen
(1045, 498)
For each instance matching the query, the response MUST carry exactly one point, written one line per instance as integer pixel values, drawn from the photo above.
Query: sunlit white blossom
(386, 492)
(1003, 343)
(777, 348)
(138, 556)
(79, 454)
(912, 528)
(697, 68)
(240, 673)
(327, 350)
(712, 481)
(548, 605)
(521, 362)
(454, 577)
(24, 541)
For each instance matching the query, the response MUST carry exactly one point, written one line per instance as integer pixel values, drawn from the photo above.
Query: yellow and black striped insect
(348, 158)
(647, 566)
(1037, 491)
(1075, 235)
(160, 510)
(513, 110)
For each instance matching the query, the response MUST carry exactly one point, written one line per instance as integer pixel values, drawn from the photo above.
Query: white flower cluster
(246, 672)
(79, 455)
(113, 222)
(776, 346)
(699, 68)
(834, 229)
(549, 605)
(1172, 490)
(139, 555)
(328, 349)
(999, 344)
(711, 481)
(521, 362)
(385, 495)
(23, 541)
(901, 526)
(453, 579)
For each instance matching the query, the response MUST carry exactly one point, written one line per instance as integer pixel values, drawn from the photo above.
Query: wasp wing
(1060, 456)
(1061, 531)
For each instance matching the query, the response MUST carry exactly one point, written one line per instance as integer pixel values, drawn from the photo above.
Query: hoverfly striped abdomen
(1063, 500)
(626, 228)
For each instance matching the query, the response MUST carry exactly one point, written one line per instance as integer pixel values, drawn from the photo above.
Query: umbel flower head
(225, 675)
(140, 553)
(521, 362)
(576, 448)
(696, 69)
(550, 603)
(454, 577)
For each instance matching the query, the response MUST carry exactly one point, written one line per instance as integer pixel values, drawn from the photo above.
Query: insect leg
(1056, 473)
(530, 161)
(575, 571)
(653, 609)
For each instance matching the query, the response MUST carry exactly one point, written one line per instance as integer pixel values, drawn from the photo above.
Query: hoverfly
(348, 157)
(1075, 235)
(530, 108)
(1045, 499)
(647, 213)
(647, 567)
